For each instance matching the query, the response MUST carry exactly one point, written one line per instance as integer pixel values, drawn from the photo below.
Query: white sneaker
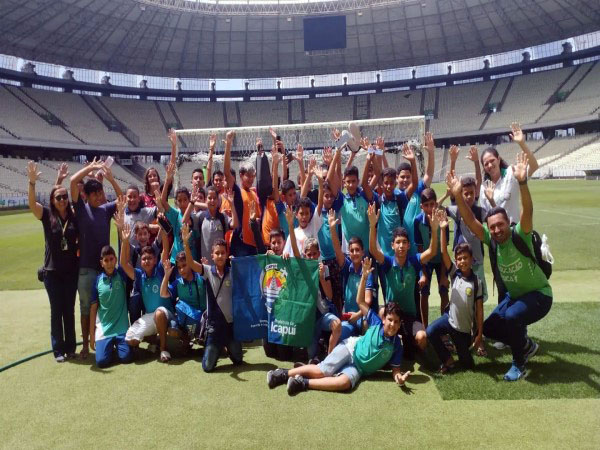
(499, 345)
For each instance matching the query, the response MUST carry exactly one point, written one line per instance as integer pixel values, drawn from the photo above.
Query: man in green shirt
(529, 295)
(353, 357)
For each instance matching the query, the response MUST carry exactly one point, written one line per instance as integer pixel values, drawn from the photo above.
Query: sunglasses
(58, 198)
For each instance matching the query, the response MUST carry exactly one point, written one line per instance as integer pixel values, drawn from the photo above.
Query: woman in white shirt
(500, 187)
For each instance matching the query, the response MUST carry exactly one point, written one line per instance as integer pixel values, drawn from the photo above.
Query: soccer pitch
(149, 404)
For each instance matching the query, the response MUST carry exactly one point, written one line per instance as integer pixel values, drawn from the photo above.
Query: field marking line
(569, 214)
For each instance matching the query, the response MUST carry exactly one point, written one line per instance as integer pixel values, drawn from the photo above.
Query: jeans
(61, 288)
(351, 329)
(105, 347)
(323, 323)
(508, 321)
(216, 339)
(462, 341)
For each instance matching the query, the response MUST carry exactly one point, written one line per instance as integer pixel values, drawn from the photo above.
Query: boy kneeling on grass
(147, 281)
(354, 357)
(108, 313)
(466, 300)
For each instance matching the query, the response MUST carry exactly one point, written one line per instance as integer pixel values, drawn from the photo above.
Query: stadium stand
(583, 95)
(72, 110)
(574, 163)
(460, 107)
(139, 116)
(328, 109)
(555, 153)
(25, 122)
(264, 112)
(200, 114)
(527, 96)
(395, 104)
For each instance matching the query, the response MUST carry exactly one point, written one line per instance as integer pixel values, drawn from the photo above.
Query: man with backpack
(518, 267)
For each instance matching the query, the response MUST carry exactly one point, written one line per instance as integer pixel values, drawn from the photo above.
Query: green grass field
(148, 404)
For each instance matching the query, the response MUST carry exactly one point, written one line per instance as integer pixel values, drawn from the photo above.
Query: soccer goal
(194, 143)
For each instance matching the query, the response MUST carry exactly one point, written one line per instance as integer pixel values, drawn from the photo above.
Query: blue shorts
(351, 329)
(340, 362)
(85, 284)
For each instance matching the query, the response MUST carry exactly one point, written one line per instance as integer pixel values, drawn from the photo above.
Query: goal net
(193, 144)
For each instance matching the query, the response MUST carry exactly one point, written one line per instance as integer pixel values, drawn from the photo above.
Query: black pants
(61, 288)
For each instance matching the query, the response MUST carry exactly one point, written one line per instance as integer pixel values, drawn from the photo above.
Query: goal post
(193, 144)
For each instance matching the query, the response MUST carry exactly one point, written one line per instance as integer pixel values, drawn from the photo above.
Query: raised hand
(327, 155)
(107, 172)
(380, 143)
(312, 164)
(172, 136)
(185, 233)
(454, 151)
(121, 203)
(442, 217)
(365, 143)
(229, 137)
(373, 215)
(367, 266)
(273, 134)
(473, 154)
(429, 144)
(336, 134)
(289, 217)
(32, 172)
(119, 218)
(227, 194)
(63, 172)
(521, 168)
(434, 221)
(488, 190)
(125, 232)
(407, 152)
(332, 219)
(517, 133)
(252, 210)
(170, 171)
(212, 142)
(299, 154)
(168, 267)
(453, 183)
(204, 260)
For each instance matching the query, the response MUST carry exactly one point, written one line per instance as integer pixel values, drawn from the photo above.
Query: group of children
(378, 239)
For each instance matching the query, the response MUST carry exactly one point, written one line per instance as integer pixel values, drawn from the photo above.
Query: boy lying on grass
(353, 357)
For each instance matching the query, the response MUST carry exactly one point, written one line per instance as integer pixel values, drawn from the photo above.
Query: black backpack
(522, 247)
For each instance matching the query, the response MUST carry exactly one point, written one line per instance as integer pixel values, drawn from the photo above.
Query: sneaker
(152, 348)
(530, 349)
(315, 361)
(515, 373)
(72, 355)
(276, 377)
(499, 345)
(298, 364)
(296, 384)
(59, 358)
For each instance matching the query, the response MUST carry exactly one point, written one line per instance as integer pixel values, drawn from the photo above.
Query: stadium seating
(329, 109)
(80, 119)
(571, 154)
(583, 100)
(460, 107)
(200, 114)
(527, 96)
(25, 123)
(395, 104)
(263, 113)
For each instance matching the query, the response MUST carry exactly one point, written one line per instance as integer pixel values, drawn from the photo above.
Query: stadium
(85, 79)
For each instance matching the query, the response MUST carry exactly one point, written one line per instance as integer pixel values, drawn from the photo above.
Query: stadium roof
(264, 38)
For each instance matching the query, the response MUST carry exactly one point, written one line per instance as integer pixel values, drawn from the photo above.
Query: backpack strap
(522, 246)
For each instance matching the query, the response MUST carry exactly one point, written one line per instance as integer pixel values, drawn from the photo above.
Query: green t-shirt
(400, 282)
(374, 350)
(519, 273)
(109, 293)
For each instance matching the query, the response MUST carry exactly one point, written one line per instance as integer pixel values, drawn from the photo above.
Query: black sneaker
(531, 349)
(277, 377)
(296, 384)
